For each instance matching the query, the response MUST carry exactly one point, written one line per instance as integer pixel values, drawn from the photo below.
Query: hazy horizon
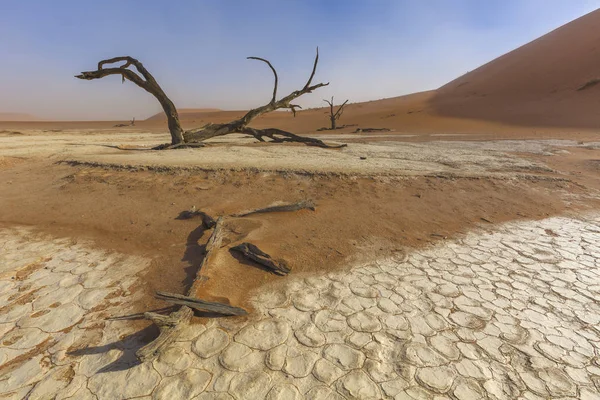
(197, 50)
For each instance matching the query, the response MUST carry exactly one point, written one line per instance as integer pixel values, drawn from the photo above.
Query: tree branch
(274, 98)
(314, 70)
(340, 111)
(281, 136)
(240, 125)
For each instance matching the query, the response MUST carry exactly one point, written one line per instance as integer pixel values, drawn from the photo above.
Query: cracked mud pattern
(505, 314)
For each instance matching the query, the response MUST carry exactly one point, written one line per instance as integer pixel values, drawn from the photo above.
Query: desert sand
(455, 255)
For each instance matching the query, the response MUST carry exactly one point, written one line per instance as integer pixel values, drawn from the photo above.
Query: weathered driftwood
(336, 127)
(361, 130)
(200, 305)
(301, 205)
(179, 146)
(213, 244)
(207, 221)
(169, 326)
(334, 116)
(179, 138)
(251, 252)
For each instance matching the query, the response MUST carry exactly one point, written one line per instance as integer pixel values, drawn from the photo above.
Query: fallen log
(336, 128)
(250, 251)
(200, 305)
(213, 244)
(170, 325)
(168, 146)
(301, 205)
(366, 130)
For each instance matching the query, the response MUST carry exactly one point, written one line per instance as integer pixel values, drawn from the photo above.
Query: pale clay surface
(502, 314)
(460, 158)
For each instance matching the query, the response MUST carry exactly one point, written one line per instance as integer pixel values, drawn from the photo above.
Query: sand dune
(537, 84)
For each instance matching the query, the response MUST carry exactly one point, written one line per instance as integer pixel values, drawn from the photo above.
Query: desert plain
(453, 255)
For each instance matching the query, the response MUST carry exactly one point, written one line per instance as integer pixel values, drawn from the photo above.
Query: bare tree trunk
(172, 120)
(147, 82)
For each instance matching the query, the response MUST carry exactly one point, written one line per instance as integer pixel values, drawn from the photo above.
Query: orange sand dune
(536, 84)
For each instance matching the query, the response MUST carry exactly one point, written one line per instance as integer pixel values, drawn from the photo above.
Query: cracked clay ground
(506, 313)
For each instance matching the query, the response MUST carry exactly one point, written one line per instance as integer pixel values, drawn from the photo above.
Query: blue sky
(197, 50)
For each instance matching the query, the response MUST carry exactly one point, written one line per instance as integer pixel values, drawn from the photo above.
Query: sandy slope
(536, 84)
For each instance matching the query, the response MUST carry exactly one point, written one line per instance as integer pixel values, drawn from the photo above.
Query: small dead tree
(131, 123)
(181, 138)
(334, 116)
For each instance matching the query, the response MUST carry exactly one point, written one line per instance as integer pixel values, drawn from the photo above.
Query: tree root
(169, 146)
(280, 136)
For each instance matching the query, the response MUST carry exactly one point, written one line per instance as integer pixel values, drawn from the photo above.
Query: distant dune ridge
(10, 116)
(552, 82)
(186, 113)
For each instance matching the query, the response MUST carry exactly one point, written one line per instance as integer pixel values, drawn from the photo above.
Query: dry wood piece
(337, 127)
(169, 326)
(589, 84)
(201, 305)
(301, 205)
(131, 123)
(253, 253)
(359, 130)
(207, 221)
(179, 138)
(213, 244)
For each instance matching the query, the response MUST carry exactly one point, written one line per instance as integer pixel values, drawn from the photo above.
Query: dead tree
(181, 138)
(131, 123)
(334, 116)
